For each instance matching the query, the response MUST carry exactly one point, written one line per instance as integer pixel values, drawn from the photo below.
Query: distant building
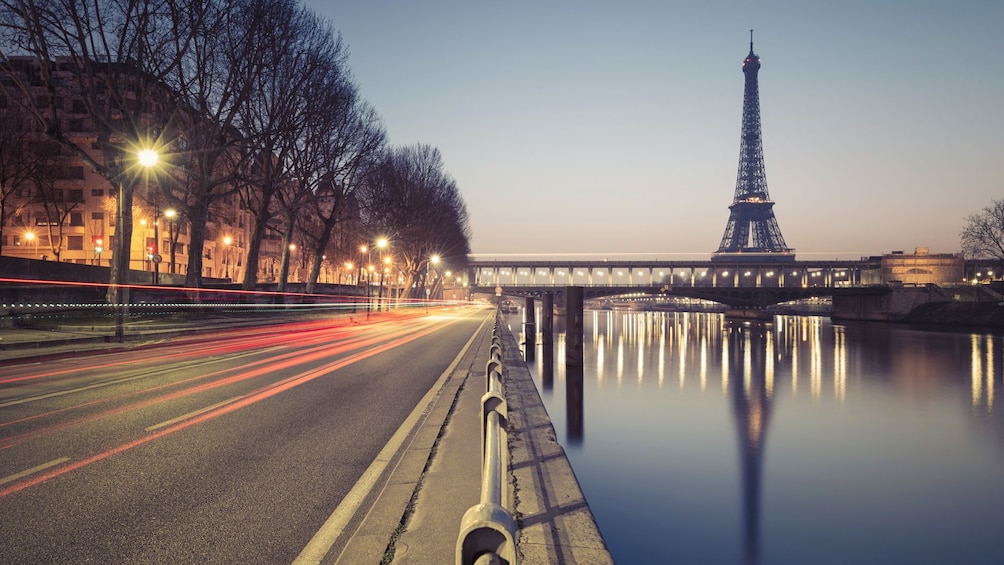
(919, 267)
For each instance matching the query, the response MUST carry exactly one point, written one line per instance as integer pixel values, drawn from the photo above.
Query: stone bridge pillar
(575, 322)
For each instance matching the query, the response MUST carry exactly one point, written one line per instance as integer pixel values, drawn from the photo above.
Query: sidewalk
(552, 515)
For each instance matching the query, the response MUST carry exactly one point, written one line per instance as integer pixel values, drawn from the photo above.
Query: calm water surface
(798, 441)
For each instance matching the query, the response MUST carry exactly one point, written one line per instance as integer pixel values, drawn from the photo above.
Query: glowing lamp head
(148, 157)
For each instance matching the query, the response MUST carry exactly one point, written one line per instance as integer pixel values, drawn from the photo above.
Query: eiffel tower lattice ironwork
(752, 227)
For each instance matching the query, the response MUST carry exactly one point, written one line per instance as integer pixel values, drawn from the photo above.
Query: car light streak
(263, 393)
(236, 340)
(265, 367)
(252, 345)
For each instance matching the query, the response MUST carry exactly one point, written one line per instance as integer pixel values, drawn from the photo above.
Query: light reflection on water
(702, 440)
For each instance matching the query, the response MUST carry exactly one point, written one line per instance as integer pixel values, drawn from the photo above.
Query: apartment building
(64, 211)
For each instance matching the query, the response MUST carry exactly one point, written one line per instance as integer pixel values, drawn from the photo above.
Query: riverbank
(958, 314)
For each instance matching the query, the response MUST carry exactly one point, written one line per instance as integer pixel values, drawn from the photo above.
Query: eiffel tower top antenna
(751, 41)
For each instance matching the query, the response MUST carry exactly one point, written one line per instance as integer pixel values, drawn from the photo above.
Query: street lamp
(227, 240)
(369, 277)
(148, 158)
(359, 278)
(428, 288)
(381, 244)
(383, 274)
(29, 236)
(98, 248)
(170, 215)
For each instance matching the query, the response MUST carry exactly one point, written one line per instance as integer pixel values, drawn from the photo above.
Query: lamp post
(170, 215)
(226, 256)
(428, 287)
(381, 245)
(98, 248)
(383, 274)
(29, 236)
(148, 158)
(369, 277)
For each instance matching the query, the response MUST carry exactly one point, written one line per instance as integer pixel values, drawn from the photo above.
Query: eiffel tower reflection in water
(739, 441)
(752, 349)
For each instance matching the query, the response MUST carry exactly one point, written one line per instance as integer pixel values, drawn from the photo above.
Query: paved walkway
(413, 514)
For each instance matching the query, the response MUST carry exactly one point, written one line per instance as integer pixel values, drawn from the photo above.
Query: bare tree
(300, 48)
(110, 58)
(415, 202)
(213, 83)
(983, 236)
(350, 137)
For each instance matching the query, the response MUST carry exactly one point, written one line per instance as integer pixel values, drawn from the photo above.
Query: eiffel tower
(752, 231)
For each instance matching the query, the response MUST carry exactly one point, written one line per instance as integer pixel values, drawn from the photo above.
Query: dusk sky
(612, 128)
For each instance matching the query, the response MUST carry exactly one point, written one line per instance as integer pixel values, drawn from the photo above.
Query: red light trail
(350, 343)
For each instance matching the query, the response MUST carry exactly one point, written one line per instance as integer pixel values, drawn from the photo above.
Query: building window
(76, 219)
(97, 192)
(76, 194)
(98, 216)
(75, 243)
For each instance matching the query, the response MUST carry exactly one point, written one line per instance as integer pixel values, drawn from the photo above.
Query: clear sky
(612, 128)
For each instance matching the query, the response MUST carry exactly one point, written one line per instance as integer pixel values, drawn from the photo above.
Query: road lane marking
(319, 546)
(193, 414)
(42, 467)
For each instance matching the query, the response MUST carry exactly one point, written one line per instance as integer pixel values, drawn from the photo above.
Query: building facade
(62, 210)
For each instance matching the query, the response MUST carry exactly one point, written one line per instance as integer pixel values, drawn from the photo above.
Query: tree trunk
(254, 246)
(197, 244)
(119, 264)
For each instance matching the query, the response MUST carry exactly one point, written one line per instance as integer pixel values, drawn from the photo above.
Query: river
(699, 440)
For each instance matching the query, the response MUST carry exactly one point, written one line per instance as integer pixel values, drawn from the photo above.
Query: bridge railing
(487, 530)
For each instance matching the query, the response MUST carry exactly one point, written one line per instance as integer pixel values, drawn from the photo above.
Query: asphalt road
(230, 448)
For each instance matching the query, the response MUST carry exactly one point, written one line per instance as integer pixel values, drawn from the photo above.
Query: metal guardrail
(487, 530)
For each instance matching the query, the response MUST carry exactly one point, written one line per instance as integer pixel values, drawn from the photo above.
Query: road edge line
(322, 542)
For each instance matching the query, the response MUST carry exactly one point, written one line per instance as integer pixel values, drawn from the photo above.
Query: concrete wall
(890, 307)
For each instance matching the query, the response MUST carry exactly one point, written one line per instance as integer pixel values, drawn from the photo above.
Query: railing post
(487, 530)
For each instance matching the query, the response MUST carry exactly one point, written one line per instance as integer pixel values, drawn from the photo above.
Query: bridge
(739, 283)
